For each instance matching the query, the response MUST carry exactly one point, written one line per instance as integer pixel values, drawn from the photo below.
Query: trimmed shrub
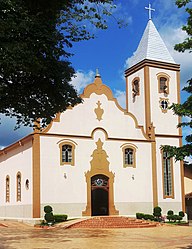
(157, 213)
(175, 217)
(60, 217)
(49, 217)
(182, 214)
(170, 212)
(48, 209)
(148, 217)
(140, 215)
(179, 218)
(170, 217)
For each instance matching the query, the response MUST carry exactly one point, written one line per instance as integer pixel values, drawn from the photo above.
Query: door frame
(110, 175)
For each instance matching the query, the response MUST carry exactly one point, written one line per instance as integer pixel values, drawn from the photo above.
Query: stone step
(113, 222)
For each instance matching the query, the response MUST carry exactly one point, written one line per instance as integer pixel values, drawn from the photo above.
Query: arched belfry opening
(100, 194)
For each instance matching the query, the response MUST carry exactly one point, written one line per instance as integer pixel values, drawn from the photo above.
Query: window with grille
(66, 153)
(167, 175)
(7, 189)
(18, 186)
(129, 157)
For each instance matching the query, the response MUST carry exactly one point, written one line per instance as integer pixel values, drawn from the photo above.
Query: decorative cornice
(152, 63)
(97, 87)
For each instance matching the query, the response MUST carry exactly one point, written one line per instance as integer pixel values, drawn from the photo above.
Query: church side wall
(16, 160)
(175, 203)
(65, 188)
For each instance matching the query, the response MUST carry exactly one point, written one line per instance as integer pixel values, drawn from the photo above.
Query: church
(98, 158)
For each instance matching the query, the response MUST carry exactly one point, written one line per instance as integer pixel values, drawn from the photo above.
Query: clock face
(99, 182)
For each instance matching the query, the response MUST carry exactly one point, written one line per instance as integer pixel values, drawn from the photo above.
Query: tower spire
(150, 9)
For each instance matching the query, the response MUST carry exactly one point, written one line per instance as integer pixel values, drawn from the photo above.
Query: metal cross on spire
(150, 9)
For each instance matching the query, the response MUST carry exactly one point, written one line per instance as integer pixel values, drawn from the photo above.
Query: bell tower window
(135, 87)
(163, 83)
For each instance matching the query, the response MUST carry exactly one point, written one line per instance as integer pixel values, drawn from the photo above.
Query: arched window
(163, 83)
(67, 150)
(129, 156)
(7, 189)
(18, 186)
(135, 87)
(167, 165)
(67, 153)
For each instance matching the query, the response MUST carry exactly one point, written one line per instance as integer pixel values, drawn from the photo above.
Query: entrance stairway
(113, 222)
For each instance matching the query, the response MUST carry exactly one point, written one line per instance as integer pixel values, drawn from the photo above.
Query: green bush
(170, 217)
(157, 213)
(48, 209)
(182, 214)
(175, 217)
(140, 215)
(170, 212)
(148, 217)
(60, 217)
(157, 210)
(179, 218)
(49, 217)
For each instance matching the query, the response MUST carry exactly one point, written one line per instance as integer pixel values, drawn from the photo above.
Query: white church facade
(98, 158)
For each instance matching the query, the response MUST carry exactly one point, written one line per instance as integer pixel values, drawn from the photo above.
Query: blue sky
(111, 48)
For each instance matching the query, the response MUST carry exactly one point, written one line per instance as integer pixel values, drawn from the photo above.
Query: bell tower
(152, 83)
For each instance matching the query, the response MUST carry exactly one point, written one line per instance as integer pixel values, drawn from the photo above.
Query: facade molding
(36, 176)
(152, 63)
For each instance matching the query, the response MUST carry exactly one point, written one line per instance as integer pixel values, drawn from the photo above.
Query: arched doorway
(99, 195)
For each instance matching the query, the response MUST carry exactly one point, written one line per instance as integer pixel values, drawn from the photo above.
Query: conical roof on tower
(151, 47)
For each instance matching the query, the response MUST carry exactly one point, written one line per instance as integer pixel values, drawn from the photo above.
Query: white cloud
(82, 79)
(121, 97)
(172, 36)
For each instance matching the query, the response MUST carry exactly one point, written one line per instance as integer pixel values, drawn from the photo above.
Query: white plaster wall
(16, 160)
(73, 190)
(169, 202)
(55, 188)
(82, 120)
(137, 107)
(165, 123)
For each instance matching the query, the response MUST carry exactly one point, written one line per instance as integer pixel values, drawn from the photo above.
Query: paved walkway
(21, 236)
